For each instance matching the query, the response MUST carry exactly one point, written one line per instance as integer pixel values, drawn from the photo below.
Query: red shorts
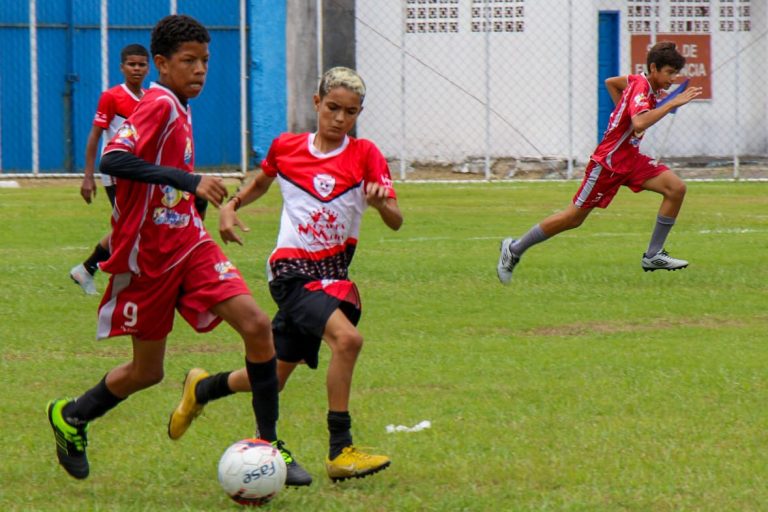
(601, 184)
(144, 307)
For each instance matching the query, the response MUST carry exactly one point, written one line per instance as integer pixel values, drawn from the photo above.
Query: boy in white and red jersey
(617, 161)
(162, 257)
(327, 179)
(115, 105)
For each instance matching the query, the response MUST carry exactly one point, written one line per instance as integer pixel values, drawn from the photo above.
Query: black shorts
(110, 190)
(301, 318)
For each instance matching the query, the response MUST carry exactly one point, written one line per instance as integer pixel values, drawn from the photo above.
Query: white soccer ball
(252, 472)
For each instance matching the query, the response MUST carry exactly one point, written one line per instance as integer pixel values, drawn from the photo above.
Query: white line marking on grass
(731, 231)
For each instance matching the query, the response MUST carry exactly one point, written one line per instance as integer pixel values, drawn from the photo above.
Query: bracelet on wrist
(238, 202)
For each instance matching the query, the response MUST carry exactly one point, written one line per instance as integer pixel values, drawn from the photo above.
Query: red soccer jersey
(323, 202)
(621, 144)
(154, 226)
(115, 105)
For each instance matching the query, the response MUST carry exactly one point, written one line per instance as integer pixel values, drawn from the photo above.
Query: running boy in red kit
(162, 257)
(617, 161)
(327, 179)
(115, 105)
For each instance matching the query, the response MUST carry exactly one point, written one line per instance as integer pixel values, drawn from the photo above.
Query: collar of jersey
(319, 154)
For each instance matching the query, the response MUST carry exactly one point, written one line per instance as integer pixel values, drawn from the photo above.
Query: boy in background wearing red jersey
(115, 105)
(327, 179)
(617, 161)
(162, 257)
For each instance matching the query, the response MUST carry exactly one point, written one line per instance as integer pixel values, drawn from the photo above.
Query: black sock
(213, 387)
(92, 263)
(339, 425)
(90, 405)
(263, 379)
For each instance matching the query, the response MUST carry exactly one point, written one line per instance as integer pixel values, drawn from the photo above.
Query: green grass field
(587, 385)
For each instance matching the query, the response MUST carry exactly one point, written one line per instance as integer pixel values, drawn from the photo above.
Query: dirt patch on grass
(584, 329)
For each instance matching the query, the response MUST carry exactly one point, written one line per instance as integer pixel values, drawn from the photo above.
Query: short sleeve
(269, 164)
(140, 133)
(377, 169)
(105, 111)
(640, 98)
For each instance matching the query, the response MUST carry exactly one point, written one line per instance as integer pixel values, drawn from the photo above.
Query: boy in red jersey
(326, 179)
(617, 161)
(162, 258)
(115, 105)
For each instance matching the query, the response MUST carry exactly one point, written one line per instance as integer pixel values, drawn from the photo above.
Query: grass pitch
(585, 385)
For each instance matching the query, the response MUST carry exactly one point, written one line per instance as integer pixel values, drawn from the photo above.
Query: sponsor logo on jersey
(172, 196)
(323, 228)
(188, 151)
(170, 218)
(226, 270)
(324, 184)
(641, 99)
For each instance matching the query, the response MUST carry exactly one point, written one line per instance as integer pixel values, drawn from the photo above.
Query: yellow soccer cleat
(352, 463)
(188, 409)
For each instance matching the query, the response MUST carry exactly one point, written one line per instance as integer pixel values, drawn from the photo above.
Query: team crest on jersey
(640, 99)
(171, 196)
(188, 151)
(126, 135)
(226, 270)
(324, 184)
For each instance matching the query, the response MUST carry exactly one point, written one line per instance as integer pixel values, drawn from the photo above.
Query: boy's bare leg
(344, 460)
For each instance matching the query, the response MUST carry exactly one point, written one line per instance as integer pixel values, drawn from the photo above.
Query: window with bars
(735, 15)
(643, 16)
(431, 16)
(498, 16)
(689, 16)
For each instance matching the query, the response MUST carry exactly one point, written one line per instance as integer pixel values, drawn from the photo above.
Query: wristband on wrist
(235, 199)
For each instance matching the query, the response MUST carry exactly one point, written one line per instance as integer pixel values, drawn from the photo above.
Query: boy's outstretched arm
(616, 86)
(645, 120)
(122, 164)
(228, 218)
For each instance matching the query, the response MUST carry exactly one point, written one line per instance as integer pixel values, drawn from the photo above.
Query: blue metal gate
(67, 41)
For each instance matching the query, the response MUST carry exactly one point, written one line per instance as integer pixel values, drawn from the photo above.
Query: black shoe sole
(361, 475)
(668, 269)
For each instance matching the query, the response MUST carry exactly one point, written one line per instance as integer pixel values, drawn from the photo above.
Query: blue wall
(69, 62)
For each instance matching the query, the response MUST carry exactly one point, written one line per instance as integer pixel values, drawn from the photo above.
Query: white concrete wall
(543, 96)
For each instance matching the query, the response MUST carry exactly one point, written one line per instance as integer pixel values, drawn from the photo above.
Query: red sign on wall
(695, 49)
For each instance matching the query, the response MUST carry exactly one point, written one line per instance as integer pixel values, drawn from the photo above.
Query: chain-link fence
(506, 88)
(57, 56)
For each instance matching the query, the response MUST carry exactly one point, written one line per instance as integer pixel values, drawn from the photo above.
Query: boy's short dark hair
(133, 49)
(665, 54)
(174, 30)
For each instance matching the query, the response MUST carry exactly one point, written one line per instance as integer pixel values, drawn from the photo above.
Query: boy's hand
(228, 219)
(211, 189)
(687, 95)
(376, 195)
(88, 188)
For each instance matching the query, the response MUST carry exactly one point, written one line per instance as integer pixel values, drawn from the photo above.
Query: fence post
(34, 110)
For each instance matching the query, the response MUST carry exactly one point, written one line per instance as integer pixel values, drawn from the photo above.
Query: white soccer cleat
(82, 278)
(662, 261)
(507, 261)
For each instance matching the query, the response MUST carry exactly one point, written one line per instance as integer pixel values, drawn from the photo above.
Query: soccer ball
(252, 472)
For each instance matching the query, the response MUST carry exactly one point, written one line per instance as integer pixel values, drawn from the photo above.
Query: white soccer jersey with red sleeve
(154, 226)
(115, 105)
(621, 144)
(323, 203)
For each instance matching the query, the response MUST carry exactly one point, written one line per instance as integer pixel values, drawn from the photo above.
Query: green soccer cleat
(296, 476)
(70, 440)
